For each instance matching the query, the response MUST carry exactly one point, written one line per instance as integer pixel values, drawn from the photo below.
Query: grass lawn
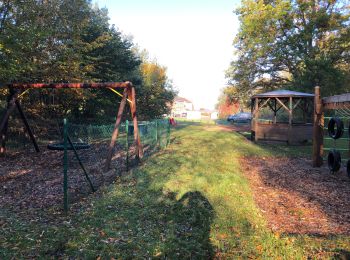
(189, 201)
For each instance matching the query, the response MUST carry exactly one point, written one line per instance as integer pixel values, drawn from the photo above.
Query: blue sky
(192, 38)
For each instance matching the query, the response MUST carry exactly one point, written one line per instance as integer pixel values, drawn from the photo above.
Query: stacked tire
(335, 131)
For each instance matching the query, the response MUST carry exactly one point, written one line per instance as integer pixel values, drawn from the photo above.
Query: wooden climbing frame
(16, 90)
(320, 105)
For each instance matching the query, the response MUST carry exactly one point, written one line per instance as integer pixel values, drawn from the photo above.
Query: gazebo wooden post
(275, 112)
(290, 122)
(304, 110)
(318, 120)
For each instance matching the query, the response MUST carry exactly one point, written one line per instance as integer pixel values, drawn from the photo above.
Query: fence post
(127, 144)
(161, 136)
(317, 142)
(168, 133)
(157, 132)
(65, 167)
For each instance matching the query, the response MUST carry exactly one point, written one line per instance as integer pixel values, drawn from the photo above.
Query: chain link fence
(154, 135)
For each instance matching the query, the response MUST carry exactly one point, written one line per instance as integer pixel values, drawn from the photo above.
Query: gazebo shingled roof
(282, 93)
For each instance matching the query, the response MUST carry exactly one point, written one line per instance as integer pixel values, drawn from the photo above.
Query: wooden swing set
(18, 89)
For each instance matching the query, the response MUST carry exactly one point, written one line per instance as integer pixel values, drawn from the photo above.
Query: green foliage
(156, 92)
(72, 41)
(39, 40)
(107, 56)
(292, 44)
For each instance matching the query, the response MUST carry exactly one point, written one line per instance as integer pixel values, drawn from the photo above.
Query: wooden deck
(292, 134)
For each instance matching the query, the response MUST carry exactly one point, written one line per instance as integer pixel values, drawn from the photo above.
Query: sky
(192, 38)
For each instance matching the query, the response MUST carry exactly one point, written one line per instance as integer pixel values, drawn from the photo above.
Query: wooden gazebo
(289, 129)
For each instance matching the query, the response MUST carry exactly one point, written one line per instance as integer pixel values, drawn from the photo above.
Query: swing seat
(60, 146)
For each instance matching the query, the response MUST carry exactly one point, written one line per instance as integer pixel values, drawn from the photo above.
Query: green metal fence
(153, 134)
(69, 138)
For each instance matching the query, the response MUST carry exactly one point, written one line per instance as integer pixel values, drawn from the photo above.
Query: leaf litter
(296, 198)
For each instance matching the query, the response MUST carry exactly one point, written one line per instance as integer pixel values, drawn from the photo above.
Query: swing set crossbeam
(113, 85)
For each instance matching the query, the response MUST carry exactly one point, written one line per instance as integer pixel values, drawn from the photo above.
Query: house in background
(184, 108)
(208, 114)
(214, 115)
(181, 107)
(194, 115)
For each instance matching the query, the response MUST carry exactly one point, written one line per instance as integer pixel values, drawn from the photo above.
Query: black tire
(335, 133)
(334, 160)
(348, 168)
(252, 135)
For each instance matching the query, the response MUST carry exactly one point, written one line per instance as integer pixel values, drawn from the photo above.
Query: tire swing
(335, 131)
(335, 128)
(334, 160)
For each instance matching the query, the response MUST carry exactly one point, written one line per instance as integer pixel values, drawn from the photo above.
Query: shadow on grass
(138, 228)
(138, 218)
(192, 218)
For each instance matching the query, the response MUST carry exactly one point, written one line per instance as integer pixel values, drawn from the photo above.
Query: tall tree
(292, 43)
(107, 56)
(156, 93)
(39, 40)
(228, 103)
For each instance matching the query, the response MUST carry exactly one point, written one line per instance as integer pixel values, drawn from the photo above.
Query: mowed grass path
(190, 201)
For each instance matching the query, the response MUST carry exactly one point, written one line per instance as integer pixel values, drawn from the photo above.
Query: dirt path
(230, 128)
(296, 198)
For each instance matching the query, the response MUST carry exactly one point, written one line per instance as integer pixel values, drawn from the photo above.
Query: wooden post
(137, 140)
(318, 120)
(65, 167)
(115, 131)
(3, 137)
(275, 113)
(27, 126)
(127, 144)
(290, 134)
(305, 110)
(157, 138)
(255, 126)
(4, 121)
